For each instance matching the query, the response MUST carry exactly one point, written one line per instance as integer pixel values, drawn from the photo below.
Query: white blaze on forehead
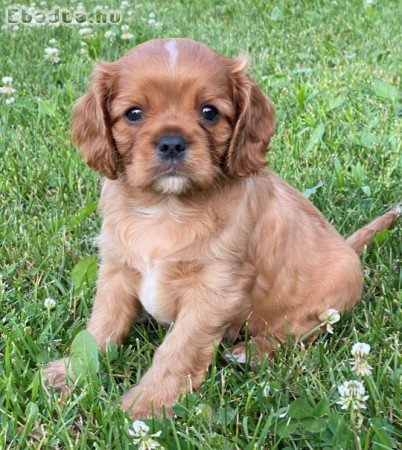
(171, 47)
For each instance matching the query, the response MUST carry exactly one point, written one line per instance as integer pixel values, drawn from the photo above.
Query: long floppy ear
(255, 122)
(91, 127)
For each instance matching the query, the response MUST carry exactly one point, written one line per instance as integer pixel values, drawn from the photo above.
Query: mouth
(171, 166)
(172, 183)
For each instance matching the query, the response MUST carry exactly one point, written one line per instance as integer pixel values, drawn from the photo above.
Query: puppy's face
(173, 115)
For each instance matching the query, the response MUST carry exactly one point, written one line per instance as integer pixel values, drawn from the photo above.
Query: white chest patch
(171, 47)
(149, 294)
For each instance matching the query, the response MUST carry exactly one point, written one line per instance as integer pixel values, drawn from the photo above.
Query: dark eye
(134, 114)
(209, 113)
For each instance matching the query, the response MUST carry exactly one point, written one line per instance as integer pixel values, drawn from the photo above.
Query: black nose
(171, 147)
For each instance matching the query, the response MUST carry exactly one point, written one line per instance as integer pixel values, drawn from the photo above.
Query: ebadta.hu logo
(35, 16)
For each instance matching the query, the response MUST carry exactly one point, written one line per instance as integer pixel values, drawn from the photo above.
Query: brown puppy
(196, 230)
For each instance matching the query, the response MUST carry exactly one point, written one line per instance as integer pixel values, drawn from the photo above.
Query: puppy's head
(172, 115)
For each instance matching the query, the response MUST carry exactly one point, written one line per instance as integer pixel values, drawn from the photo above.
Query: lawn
(332, 69)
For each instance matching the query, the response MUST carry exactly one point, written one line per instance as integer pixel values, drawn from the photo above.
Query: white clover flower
(330, 317)
(124, 4)
(53, 41)
(352, 395)
(86, 32)
(110, 35)
(10, 100)
(52, 54)
(49, 303)
(124, 27)
(359, 364)
(139, 428)
(126, 36)
(360, 350)
(141, 438)
(7, 89)
(7, 80)
(361, 367)
(152, 20)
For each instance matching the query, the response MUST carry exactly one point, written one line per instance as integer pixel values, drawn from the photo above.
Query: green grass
(332, 70)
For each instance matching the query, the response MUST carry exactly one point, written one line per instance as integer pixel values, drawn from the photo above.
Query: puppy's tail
(365, 235)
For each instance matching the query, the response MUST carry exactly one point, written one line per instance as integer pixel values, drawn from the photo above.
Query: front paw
(142, 402)
(56, 373)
